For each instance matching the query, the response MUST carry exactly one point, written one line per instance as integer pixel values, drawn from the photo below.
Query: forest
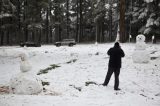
(48, 21)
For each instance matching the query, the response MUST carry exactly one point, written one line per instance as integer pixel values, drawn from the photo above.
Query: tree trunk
(8, 38)
(26, 33)
(40, 35)
(57, 22)
(80, 22)
(59, 30)
(77, 26)
(103, 31)
(122, 21)
(24, 19)
(33, 35)
(96, 39)
(67, 18)
(110, 22)
(50, 26)
(2, 37)
(47, 26)
(19, 22)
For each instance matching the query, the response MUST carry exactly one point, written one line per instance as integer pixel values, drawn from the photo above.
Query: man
(115, 53)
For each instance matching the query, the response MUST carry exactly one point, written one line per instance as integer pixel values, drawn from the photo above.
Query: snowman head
(23, 57)
(140, 38)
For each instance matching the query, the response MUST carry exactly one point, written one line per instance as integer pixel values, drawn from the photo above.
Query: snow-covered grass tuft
(44, 71)
(71, 61)
(45, 83)
(90, 82)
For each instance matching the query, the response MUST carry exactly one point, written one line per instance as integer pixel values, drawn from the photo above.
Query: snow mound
(24, 83)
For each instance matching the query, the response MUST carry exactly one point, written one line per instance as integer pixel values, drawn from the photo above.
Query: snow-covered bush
(147, 30)
(142, 15)
(150, 22)
(157, 21)
(148, 1)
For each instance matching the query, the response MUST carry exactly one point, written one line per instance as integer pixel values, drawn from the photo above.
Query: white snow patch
(140, 83)
(150, 22)
(148, 1)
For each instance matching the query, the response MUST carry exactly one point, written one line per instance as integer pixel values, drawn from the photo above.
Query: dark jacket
(115, 53)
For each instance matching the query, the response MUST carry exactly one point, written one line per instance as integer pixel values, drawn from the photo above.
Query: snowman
(25, 82)
(140, 55)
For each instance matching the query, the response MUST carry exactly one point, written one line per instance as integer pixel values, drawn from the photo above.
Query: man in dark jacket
(115, 53)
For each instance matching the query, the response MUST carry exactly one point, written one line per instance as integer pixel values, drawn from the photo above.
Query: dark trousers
(109, 74)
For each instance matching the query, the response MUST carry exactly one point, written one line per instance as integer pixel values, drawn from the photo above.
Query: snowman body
(140, 55)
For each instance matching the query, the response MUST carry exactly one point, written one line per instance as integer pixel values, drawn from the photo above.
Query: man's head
(116, 45)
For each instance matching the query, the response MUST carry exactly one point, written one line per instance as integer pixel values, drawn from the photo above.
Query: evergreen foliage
(48, 21)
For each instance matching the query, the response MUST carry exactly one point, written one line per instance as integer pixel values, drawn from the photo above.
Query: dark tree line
(48, 21)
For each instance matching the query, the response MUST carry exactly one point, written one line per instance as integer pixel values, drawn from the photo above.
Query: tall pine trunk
(57, 23)
(110, 22)
(40, 35)
(19, 22)
(80, 21)
(24, 19)
(2, 37)
(122, 21)
(67, 18)
(8, 37)
(77, 22)
(47, 26)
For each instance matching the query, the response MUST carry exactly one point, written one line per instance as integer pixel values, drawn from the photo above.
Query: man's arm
(109, 51)
(122, 53)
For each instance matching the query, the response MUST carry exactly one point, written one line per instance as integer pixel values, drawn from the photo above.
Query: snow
(5, 15)
(157, 21)
(147, 30)
(107, 6)
(140, 83)
(148, 1)
(118, 36)
(142, 15)
(150, 22)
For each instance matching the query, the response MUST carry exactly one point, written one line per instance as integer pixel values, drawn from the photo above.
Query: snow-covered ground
(140, 83)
